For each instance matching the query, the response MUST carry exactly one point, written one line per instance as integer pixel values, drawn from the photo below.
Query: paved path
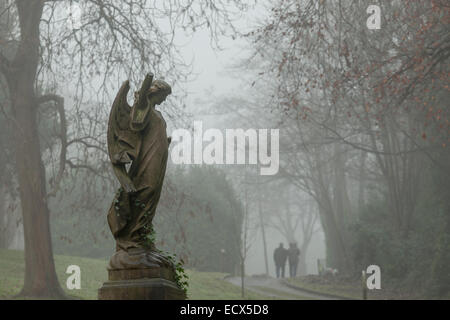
(258, 285)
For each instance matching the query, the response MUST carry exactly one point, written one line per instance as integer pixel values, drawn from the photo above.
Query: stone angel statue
(138, 150)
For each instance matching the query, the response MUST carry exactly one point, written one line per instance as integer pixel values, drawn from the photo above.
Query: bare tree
(114, 40)
(340, 89)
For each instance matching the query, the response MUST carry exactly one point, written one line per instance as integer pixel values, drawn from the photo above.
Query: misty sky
(213, 80)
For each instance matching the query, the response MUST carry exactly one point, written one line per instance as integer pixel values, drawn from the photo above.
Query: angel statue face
(158, 92)
(155, 95)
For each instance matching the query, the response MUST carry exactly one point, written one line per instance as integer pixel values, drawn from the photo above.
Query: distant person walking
(280, 257)
(293, 257)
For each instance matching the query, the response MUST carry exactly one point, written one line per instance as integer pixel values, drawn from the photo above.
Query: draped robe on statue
(147, 174)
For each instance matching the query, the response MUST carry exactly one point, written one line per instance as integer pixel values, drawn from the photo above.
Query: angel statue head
(151, 93)
(158, 92)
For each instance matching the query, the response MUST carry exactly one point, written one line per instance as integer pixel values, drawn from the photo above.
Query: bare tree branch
(59, 106)
(5, 65)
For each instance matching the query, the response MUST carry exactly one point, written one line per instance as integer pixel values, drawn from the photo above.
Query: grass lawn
(285, 295)
(353, 289)
(202, 285)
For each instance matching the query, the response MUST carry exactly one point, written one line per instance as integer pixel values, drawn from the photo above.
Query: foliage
(439, 284)
(197, 221)
(365, 106)
(193, 219)
(52, 50)
(418, 261)
(79, 225)
(181, 277)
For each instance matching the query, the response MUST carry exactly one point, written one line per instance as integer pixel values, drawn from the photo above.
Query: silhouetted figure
(293, 256)
(280, 257)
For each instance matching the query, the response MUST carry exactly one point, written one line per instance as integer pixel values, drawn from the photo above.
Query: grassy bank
(352, 289)
(203, 285)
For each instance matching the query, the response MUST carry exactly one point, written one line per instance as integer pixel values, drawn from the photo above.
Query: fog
(347, 107)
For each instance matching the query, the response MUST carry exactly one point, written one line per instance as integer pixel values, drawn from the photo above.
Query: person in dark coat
(293, 257)
(280, 257)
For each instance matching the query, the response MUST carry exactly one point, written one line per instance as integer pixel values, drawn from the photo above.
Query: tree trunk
(302, 269)
(9, 218)
(4, 225)
(263, 231)
(336, 252)
(341, 203)
(242, 277)
(362, 182)
(40, 276)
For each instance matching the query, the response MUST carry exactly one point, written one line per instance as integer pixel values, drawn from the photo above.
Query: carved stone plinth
(137, 282)
(140, 289)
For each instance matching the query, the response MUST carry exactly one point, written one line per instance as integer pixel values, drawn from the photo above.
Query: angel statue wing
(124, 143)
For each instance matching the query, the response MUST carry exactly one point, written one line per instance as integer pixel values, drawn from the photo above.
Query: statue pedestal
(141, 284)
(140, 274)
